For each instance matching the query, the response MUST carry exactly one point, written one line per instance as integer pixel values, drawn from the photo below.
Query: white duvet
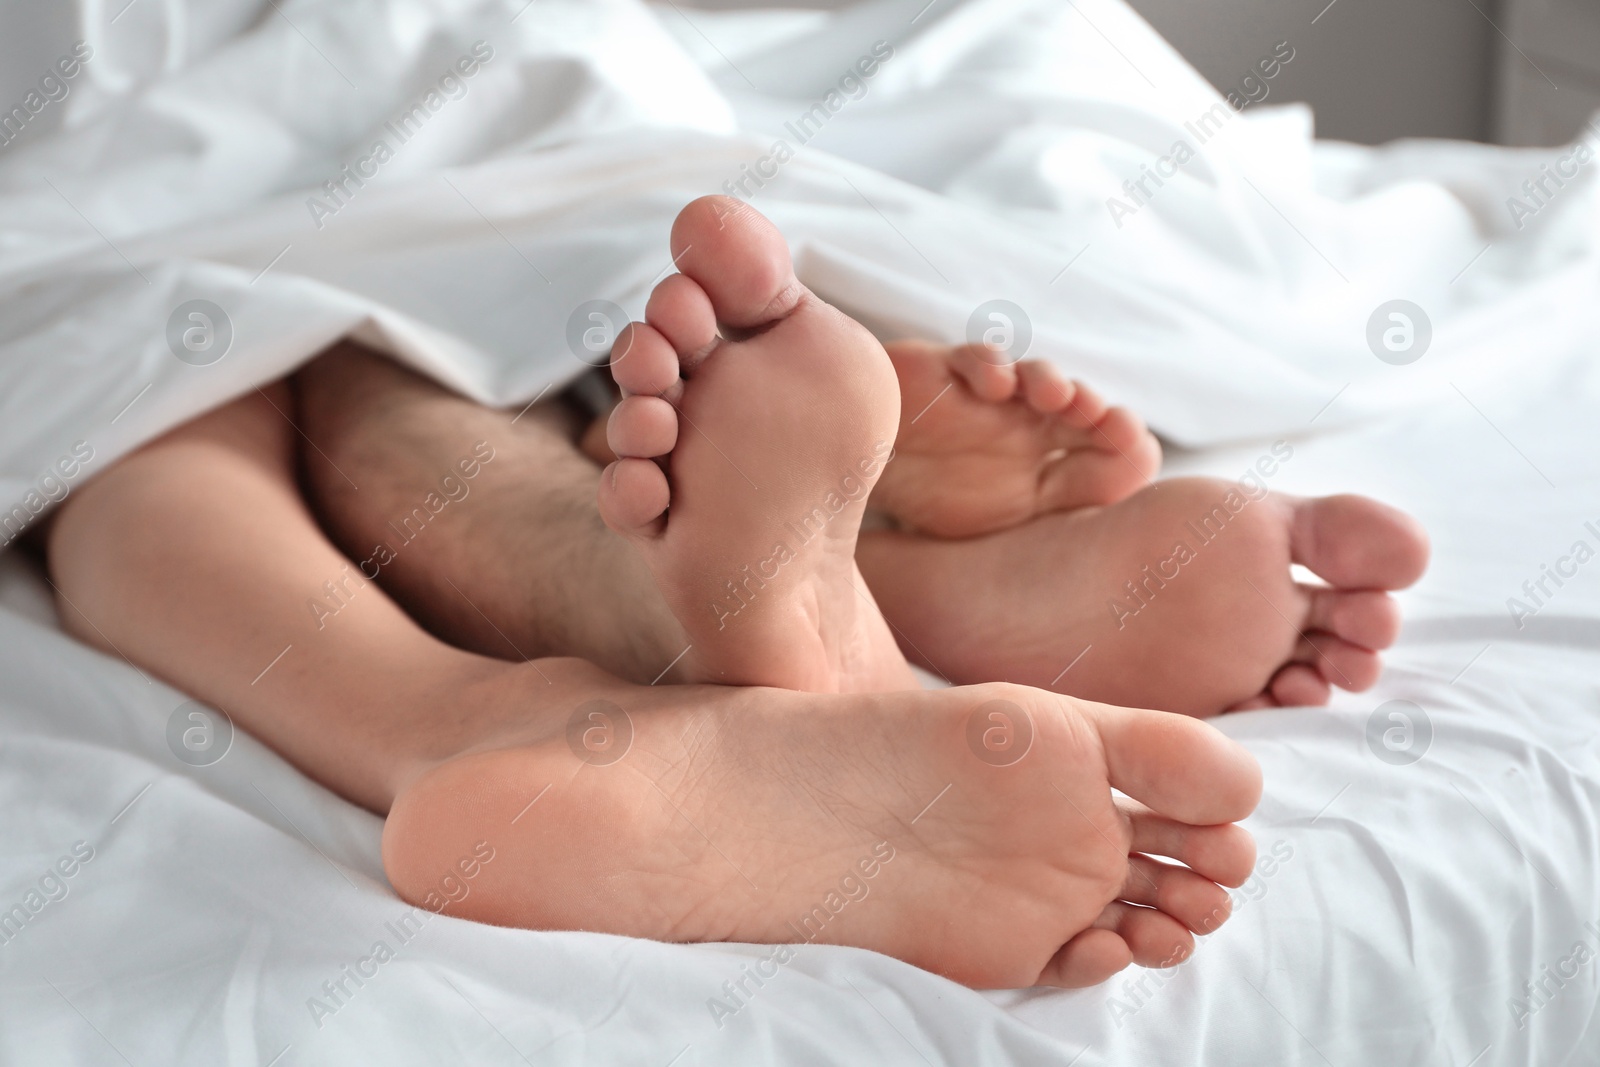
(1429, 888)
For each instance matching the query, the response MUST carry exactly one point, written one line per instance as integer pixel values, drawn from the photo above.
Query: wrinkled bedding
(1429, 882)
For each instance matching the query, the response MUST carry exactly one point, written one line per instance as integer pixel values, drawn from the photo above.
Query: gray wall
(33, 33)
(1373, 70)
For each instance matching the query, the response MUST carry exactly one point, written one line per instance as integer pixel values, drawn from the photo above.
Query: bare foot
(1170, 599)
(971, 832)
(748, 460)
(985, 444)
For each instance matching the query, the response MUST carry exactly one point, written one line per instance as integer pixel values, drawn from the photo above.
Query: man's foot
(971, 832)
(748, 460)
(1178, 598)
(985, 444)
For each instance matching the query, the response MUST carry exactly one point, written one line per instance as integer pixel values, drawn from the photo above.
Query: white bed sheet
(1408, 904)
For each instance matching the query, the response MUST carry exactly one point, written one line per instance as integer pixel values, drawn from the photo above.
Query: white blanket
(1401, 906)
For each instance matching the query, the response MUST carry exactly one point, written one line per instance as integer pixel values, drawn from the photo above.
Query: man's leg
(515, 561)
(195, 557)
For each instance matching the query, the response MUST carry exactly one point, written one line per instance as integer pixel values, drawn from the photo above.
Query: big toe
(1355, 542)
(738, 257)
(1177, 766)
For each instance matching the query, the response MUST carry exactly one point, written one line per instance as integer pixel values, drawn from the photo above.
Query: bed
(1429, 882)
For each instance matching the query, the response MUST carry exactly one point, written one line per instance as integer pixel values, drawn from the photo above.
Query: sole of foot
(972, 832)
(754, 423)
(1179, 597)
(985, 444)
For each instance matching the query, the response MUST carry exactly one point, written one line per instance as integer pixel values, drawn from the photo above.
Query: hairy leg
(515, 563)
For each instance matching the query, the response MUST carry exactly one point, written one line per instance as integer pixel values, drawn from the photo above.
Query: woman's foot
(985, 444)
(1179, 597)
(747, 460)
(971, 832)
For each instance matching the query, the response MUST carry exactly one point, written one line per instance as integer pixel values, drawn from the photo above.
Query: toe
(1121, 433)
(1122, 430)
(1103, 462)
(1367, 618)
(1044, 388)
(1197, 903)
(1224, 854)
(1088, 407)
(1338, 661)
(642, 427)
(681, 312)
(1357, 543)
(1154, 938)
(738, 258)
(984, 372)
(634, 497)
(1299, 686)
(1088, 959)
(1088, 477)
(1176, 765)
(643, 362)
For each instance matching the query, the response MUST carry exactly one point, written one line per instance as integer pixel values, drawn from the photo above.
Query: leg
(515, 562)
(196, 557)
